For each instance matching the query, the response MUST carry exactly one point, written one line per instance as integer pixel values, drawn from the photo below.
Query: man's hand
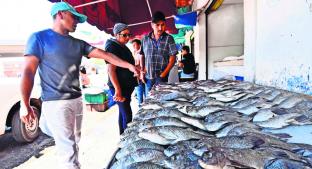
(27, 114)
(180, 64)
(135, 70)
(142, 76)
(162, 75)
(118, 96)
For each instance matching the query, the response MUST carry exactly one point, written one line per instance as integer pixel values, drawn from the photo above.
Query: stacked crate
(96, 102)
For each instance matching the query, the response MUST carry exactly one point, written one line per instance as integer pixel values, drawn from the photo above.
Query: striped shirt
(157, 53)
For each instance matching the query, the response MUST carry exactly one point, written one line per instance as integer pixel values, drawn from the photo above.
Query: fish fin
(282, 135)
(235, 164)
(301, 118)
(279, 111)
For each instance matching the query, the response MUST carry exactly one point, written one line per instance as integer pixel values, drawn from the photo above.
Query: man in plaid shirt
(159, 50)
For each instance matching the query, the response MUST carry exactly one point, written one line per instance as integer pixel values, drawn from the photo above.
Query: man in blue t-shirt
(58, 56)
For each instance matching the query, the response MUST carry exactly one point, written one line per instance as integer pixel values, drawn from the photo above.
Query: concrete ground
(100, 135)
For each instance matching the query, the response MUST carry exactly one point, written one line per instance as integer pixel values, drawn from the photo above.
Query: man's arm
(172, 59)
(111, 58)
(26, 86)
(113, 78)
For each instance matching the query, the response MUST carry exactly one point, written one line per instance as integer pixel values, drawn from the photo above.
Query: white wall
(218, 34)
(282, 46)
(225, 33)
(200, 40)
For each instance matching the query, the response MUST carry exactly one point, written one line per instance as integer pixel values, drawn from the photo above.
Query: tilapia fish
(184, 160)
(180, 146)
(290, 102)
(136, 145)
(174, 96)
(278, 121)
(167, 112)
(159, 121)
(240, 158)
(128, 140)
(263, 115)
(144, 165)
(239, 142)
(201, 111)
(141, 155)
(165, 135)
(245, 102)
(219, 122)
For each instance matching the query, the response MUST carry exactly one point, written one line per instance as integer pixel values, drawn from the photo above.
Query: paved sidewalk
(100, 135)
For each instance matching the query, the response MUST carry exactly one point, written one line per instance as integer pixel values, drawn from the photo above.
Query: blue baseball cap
(63, 6)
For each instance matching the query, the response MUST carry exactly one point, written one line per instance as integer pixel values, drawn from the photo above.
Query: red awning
(136, 13)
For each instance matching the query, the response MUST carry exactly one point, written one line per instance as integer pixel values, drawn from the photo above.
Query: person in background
(121, 81)
(187, 63)
(58, 55)
(84, 79)
(140, 89)
(159, 52)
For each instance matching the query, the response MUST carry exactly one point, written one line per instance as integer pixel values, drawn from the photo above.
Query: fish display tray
(192, 124)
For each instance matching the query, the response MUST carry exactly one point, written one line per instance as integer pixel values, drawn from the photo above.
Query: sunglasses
(126, 35)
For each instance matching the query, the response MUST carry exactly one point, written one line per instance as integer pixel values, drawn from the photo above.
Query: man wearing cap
(159, 50)
(121, 81)
(58, 56)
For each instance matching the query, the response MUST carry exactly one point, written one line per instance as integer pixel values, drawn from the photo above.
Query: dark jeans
(151, 82)
(140, 92)
(125, 112)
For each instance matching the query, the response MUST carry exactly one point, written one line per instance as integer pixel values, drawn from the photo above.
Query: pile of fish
(219, 125)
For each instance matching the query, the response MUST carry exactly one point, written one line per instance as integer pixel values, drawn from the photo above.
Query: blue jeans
(125, 111)
(151, 82)
(140, 92)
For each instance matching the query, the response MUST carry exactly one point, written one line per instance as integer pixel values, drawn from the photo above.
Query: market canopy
(136, 13)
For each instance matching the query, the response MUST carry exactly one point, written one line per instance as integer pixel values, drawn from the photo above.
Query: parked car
(10, 75)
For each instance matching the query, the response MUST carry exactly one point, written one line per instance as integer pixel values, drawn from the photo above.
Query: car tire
(22, 132)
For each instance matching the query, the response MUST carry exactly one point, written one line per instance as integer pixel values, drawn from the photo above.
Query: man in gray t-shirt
(58, 56)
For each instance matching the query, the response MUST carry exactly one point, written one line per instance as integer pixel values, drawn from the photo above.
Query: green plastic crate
(95, 98)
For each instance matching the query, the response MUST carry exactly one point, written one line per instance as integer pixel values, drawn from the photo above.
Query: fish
(282, 163)
(243, 103)
(273, 141)
(141, 155)
(163, 112)
(243, 128)
(290, 102)
(194, 122)
(278, 121)
(158, 121)
(179, 147)
(281, 153)
(238, 142)
(263, 115)
(136, 145)
(280, 98)
(166, 135)
(174, 96)
(128, 140)
(183, 160)
(221, 121)
(234, 158)
(144, 165)
(248, 110)
(201, 111)
(269, 95)
(228, 96)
